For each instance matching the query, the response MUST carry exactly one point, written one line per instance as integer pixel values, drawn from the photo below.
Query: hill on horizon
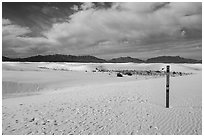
(126, 59)
(57, 58)
(172, 59)
(93, 59)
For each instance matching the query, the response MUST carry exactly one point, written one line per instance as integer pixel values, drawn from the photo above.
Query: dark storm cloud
(36, 16)
(103, 29)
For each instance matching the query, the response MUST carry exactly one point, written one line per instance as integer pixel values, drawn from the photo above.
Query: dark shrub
(128, 73)
(119, 75)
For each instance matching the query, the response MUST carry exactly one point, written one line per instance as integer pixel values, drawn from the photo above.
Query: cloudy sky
(105, 30)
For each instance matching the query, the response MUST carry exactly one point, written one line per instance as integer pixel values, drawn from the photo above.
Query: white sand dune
(78, 102)
(66, 66)
(121, 66)
(36, 66)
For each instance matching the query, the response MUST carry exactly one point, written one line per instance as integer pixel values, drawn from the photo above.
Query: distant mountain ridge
(125, 60)
(172, 59)
(93, 59)
(57, 58)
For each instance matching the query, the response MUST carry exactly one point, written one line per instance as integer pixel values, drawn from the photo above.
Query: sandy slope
(98, 103)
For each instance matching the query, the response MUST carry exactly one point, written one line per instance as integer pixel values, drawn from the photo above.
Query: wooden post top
(167, 68)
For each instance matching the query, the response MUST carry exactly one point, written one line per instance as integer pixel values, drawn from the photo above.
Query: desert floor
(69, 98)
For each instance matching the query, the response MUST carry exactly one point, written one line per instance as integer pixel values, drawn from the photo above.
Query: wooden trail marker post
(167, 85)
